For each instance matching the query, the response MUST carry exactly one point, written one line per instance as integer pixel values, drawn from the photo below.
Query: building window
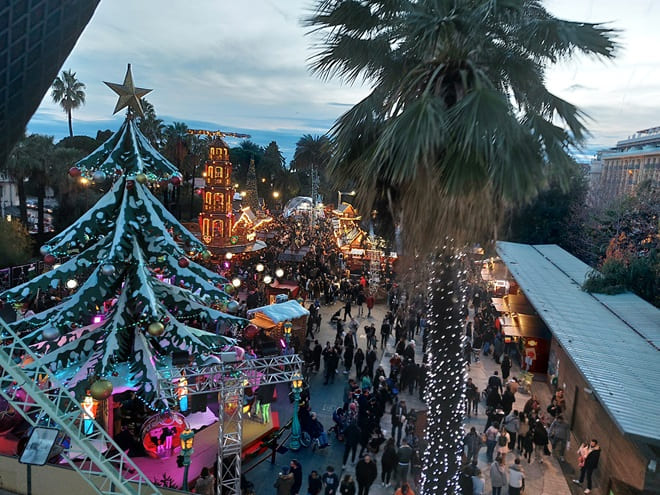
(205, 227)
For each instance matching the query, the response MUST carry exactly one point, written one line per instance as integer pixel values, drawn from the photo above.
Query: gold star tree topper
(129, 95)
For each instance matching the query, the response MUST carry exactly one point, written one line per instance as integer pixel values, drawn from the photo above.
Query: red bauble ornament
(176, 180)
(130, 184)
(250, 331)
(75, 172)
(49, 259)
(183, 262)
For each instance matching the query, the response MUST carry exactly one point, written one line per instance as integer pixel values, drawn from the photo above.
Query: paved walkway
(542, 479)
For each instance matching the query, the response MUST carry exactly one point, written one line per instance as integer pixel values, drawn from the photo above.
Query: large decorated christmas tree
(133, 291)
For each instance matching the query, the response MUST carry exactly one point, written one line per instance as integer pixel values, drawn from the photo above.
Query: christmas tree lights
(445, 389)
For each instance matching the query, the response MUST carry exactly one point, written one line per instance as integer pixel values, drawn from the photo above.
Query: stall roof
(613, 340)
(279, 312)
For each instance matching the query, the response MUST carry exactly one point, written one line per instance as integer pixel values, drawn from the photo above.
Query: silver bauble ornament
(232, 307)
(44, 250)
(99, 176)
(50, 334)
(108, 270)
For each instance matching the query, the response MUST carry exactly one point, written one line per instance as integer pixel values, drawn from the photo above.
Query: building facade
(631, 162)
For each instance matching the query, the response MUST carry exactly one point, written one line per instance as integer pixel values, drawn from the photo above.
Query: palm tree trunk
(22, 201)
(70, 124)
(445, 388)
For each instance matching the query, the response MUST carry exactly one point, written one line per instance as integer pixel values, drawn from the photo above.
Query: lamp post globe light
(279, 273)
(260, 267)
(294, 443)
(288, 326)
(187, 437)
(267, 279)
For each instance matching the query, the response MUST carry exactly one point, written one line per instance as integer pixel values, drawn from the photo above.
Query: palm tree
(150, 125)
(458, 125)
(69, 92)
(311, 158)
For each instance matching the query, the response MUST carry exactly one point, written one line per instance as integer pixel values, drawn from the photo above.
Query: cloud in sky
(243, 66)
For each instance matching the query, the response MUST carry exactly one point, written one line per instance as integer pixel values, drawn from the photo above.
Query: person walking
(347, 486)
(398, 413)
(512, 425)
(506, 366)
(388, 462)
(283, 483)
(472, 397)
(491, 440)
(472, 442)
(366, 473)
(385, 330)
(330, 481)
(205, 484)
(296, 469)
(370, 360)
(404, 456)
(540, 439)
(590, 464)
(352, 434)
(358, 358)
(314, 483)
(347, 309)
(370, 304)
(404, 489)
(559, 435)
(523, 430)
(516, 478)
(498, 476)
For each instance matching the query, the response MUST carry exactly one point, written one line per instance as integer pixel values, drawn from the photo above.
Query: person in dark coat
(508, 398)
(540, 439)
(316, 355)
(590, 464)
(352, 435)
(314, 483)
(370, 360)
(366, 473)
(359, 360)
(506, 366)
(296, 468)
(388, 462)
(348, 359)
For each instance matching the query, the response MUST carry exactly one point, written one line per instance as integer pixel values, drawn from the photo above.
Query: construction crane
(229, 379)
(221, 134)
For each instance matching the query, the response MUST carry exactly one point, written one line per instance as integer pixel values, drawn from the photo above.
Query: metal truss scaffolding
(229, 380)
(34, 393)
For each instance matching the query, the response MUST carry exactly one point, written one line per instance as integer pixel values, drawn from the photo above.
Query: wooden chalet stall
(604, 356)
(290, 288)
(273, 318)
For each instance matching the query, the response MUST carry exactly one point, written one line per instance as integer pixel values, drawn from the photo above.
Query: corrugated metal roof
(612, 339)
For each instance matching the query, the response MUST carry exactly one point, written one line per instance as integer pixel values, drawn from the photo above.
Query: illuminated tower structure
(216, 218)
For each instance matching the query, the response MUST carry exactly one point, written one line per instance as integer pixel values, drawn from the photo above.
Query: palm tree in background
(69, 92)
(458, 125)
(150, 125)
(311, 158)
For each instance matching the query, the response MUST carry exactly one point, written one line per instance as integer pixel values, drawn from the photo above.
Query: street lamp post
(187, 437)
(288, 326)
(294, 443)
